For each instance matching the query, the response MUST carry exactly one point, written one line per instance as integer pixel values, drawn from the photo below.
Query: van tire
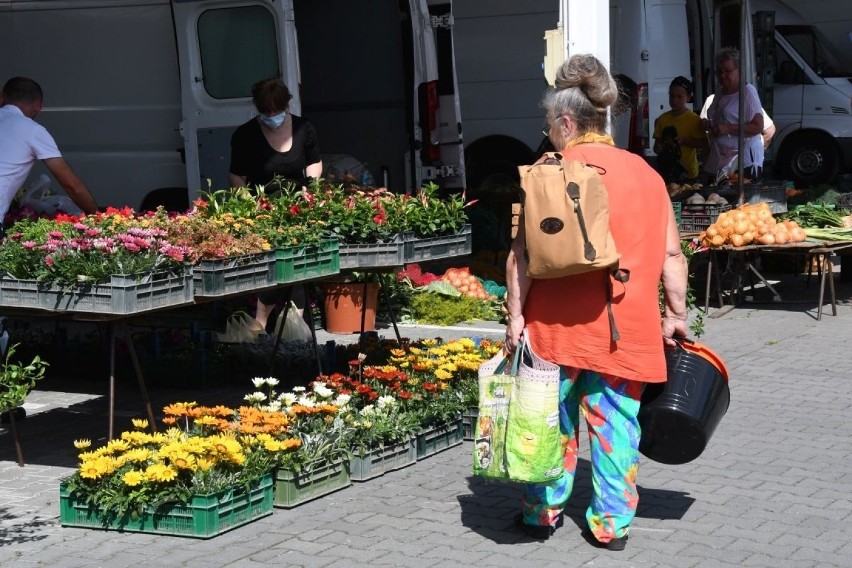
(173, 199)
(495, 157)
(809, 159)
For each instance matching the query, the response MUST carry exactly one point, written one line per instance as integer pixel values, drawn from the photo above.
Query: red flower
(200, 203)
(295, 210)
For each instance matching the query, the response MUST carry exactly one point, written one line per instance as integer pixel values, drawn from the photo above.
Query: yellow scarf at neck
(590, 138)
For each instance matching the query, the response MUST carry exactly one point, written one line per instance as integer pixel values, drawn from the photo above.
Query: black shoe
(538, 532)
(616, 544)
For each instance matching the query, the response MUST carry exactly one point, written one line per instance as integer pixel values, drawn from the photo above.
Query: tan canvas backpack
(565, 209)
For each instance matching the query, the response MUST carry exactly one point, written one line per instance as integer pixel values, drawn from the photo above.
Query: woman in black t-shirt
(275, 143)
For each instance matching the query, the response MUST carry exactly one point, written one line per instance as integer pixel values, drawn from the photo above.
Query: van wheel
(811, 159)
(173, 199)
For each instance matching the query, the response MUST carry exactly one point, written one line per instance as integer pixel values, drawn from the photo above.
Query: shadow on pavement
(491, 506)
(13, 531)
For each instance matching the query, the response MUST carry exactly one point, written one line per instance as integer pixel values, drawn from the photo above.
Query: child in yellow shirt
(678, 135)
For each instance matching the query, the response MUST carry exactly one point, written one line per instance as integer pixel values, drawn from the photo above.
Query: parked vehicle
(499, 48)
(142, 95)
(804, 85)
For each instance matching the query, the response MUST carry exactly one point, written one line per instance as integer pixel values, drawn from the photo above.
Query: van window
(810, 47)
(238, 48)
(787, 71)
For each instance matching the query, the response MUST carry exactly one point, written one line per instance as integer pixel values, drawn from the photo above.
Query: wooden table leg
(140, 378)
(829, 267)
(823, 274)
(111, 379)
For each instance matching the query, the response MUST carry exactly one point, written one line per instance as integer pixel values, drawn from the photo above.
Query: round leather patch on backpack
(551, 225)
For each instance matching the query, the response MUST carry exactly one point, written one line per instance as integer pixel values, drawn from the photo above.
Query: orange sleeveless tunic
(567, 317)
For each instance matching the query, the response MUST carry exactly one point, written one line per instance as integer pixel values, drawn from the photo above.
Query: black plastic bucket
(678, 417)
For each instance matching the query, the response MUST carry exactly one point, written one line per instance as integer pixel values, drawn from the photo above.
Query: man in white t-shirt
(24, 141)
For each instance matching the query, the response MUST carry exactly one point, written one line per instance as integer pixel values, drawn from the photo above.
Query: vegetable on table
(751, 224)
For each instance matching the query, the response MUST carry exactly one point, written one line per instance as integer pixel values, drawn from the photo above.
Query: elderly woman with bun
(566, 319)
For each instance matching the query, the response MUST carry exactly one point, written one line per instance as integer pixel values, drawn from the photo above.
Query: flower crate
(204, 516)
(217, 277)
(469, 418)
(434, 248)
(373, 255)
(436, 439)
(124, 294)
(19, 293)
(293, 489)
(382, 460)
(298, 263)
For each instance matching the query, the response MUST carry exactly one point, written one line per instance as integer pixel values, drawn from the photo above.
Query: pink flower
(28, 244)
(55, 234)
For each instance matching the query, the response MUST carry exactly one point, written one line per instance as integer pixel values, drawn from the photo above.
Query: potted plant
(382, 435)
(436, 227)
(321, 463)
(103, 263)
(16, 382)
(208, 473)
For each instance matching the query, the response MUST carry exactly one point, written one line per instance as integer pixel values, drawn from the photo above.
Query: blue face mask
(275, 121)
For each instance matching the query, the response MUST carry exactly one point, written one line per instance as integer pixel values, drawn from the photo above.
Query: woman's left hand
(673, 326)
(514, 328)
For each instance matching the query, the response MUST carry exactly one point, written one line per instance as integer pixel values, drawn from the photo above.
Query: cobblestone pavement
(769, 491)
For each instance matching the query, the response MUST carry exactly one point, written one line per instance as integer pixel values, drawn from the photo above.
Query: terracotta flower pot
(343, 306)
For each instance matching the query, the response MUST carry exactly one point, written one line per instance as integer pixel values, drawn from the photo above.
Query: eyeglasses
(550, 121)
(723, 71)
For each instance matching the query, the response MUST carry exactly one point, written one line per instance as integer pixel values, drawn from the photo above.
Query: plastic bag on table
(295, 327)
(240, 328)
(38, 197)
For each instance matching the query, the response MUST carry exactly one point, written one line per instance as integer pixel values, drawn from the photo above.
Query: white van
(805, 86)
(500, 46)
(142, 95)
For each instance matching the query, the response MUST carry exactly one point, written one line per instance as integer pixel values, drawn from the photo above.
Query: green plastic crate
(295, 264)
(678, 210)
(469, 418)
(382, 460)
(293, 489)
(204, 516)
(430, 441)
(244, 273)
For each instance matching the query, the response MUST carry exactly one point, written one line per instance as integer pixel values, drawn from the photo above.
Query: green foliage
(426, 215)
(440, 309)
(17, 380)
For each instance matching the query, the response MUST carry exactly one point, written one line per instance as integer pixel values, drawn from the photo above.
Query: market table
(741, 264)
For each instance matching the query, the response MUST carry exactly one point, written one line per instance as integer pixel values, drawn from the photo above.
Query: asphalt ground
(770, 490)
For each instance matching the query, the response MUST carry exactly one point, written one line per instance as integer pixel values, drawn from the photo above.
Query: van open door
(223, 49)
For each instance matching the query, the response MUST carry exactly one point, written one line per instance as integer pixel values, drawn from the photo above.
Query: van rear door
(224, 48)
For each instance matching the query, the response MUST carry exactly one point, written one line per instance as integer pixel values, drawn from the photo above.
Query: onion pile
(466, 283)
(751, 225)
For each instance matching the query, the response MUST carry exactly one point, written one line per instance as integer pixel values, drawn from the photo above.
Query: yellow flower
(205, 464)
(90, 470)
(140, 423)
(82, 444)
(443, 374)
(117, 446)
(160, 472)
(133, 478)
(138, 455)
(430, 342)
(184, 461)
(467, 343)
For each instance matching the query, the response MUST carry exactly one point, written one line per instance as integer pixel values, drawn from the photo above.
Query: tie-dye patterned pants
(610, 406)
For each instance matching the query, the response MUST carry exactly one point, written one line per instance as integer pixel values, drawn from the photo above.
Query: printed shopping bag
(517, 434)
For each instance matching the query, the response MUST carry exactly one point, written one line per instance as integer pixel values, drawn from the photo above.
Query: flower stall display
(78, 265)
(208, 473)
(436, 228)
(321, 463)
